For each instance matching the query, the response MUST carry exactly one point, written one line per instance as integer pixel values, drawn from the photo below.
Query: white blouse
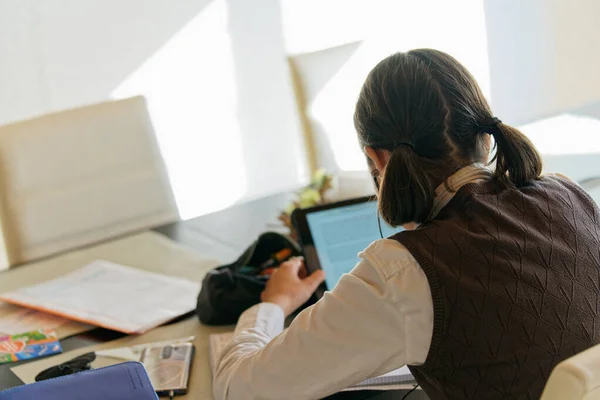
(379, 317)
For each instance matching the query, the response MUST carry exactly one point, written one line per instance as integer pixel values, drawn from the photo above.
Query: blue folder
(126, 381)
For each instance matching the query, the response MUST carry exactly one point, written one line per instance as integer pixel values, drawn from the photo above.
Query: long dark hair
(428, 111)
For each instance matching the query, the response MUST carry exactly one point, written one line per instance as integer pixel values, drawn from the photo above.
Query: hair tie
(490, 126)
(407, 144)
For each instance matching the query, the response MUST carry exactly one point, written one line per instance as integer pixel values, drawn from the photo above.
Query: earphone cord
(379, 225)
(410, 391)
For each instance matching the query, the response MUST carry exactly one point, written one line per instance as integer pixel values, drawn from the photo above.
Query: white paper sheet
(147, 251)
(111, 296)
(15, 319)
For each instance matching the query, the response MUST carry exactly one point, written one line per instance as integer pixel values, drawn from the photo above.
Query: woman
(498, 282)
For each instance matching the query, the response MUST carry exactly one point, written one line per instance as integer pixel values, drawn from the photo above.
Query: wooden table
(222, 235)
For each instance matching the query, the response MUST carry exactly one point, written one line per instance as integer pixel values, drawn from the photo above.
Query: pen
(267, 272)
(276, 259)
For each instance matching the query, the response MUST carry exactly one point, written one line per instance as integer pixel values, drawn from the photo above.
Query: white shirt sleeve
(378, 318)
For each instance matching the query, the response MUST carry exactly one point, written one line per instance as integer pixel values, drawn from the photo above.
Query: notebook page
(397, 376)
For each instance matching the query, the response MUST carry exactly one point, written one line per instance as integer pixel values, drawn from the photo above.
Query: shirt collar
(446, 191)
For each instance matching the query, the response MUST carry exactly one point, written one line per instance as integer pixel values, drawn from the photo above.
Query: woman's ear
(379, 157)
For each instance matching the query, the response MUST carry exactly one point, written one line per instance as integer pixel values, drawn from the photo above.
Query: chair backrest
(80, 176)
(576, 378)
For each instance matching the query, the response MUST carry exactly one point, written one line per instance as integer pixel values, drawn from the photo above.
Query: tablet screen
(339, 234)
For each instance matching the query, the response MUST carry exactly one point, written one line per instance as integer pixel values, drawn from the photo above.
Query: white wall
(214, 73)
(544, 56)
(371, 30)
(63, 53)
(544, 63)
(217, 81)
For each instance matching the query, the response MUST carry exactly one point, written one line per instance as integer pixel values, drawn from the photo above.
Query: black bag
(227, 291)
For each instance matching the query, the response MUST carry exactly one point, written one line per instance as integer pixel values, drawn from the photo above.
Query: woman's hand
(289, 287)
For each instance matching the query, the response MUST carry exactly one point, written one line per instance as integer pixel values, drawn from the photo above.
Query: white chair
(576, 378)
(80, 176)
(322, 80)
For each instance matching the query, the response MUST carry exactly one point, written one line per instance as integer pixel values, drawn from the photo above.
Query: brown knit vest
(515, 281)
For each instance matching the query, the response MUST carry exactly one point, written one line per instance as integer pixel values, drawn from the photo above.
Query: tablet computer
(332, 235)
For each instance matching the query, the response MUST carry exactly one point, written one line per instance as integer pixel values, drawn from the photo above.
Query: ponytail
(517, 161)
(406, 193)
(426, 100)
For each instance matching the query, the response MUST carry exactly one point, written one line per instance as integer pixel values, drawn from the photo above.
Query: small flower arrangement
(312, 195)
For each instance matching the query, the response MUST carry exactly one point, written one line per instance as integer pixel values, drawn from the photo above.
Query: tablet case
(126, 381)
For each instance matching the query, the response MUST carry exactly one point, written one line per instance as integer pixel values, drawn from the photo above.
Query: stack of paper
(145, 251)
(112, 296)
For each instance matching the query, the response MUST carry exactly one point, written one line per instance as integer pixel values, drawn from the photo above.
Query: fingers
(314, 280)
(293, 264)
(302, 273)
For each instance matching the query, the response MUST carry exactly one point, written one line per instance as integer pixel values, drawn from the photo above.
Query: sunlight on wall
(191, 91)
(565, 134)
(385, 27)
(307, 24)
(569, 144)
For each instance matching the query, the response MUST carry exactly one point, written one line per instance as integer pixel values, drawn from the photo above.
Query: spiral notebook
(400, 378)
